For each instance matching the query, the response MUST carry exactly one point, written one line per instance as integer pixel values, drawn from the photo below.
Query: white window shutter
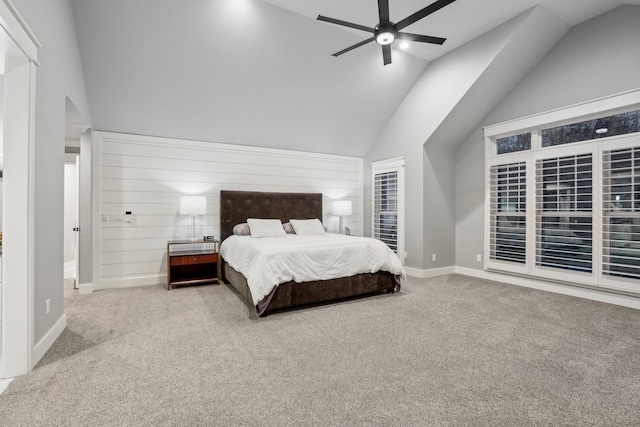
(388, 204)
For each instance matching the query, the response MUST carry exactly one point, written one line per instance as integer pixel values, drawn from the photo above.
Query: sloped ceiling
(259, 72)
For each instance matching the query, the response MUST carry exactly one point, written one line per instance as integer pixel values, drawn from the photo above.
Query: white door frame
(18, 49)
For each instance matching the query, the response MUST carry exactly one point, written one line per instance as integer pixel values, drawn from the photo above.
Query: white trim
(558, 288)
(19, 31)
(4, 383)
(18, 219)
(381, 165)
(131, 282)
(18, 279)
(47, 341)
(85, 288)
(433, 272)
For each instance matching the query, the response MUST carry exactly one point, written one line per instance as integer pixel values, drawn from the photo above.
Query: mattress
(267, 262)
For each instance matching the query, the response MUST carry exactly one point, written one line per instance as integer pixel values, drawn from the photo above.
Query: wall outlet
(479, 258)
(47, 306)
(433, 257)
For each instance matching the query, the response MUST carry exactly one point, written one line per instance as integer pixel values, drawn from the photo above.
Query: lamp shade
(193, 205)
(342, 207)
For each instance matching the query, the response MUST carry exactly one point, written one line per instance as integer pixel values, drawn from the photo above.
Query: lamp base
(193, 229)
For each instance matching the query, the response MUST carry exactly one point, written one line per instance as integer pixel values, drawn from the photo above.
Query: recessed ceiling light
(602, 130)
(404, 45)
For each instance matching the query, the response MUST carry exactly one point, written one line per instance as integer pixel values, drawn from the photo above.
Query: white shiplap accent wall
(147, 175)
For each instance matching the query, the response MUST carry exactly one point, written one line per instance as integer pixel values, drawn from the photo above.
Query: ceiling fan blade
(433, 7)
(383, 11)
(362, 43)
(386, 54)
(345, 23)
(419, 38)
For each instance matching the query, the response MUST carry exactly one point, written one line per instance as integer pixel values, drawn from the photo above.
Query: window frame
(578, 148)
(619, 283)
(615, 104)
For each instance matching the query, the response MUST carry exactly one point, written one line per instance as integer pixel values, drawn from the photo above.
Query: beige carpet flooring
(447, 351)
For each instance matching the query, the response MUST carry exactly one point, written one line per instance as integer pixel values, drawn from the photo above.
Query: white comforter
(267, 262)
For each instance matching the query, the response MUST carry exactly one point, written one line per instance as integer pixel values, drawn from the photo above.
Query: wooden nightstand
(192, 262)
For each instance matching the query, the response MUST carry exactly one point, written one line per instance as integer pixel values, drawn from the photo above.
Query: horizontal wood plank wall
(147, 175)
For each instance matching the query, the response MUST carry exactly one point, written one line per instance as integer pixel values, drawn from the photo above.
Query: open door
(71, 227)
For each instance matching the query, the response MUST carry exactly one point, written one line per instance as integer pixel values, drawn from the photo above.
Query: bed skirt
(294, 294)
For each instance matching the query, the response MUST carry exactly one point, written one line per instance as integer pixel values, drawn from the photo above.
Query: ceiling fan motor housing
(385, 34)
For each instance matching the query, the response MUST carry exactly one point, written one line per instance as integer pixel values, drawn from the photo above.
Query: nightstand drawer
(193, 259)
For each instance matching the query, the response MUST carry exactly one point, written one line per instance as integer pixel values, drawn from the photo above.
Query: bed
(236, 207)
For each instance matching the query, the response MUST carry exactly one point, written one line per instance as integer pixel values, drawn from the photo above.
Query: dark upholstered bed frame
(237, 206)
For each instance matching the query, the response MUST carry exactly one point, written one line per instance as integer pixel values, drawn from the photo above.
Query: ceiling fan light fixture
(386, 31)
(385, 37)
(404, 45)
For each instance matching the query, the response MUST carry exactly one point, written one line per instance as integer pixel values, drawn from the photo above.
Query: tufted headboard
(237, 206)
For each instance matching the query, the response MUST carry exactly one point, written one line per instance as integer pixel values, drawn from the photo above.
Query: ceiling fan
(386, 31)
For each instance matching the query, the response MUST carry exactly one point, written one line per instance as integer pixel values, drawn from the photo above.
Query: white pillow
(307, 227)
(241, 229)
(266, 227)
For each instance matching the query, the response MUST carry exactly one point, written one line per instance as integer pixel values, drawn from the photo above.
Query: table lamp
(193, 205)
(342, 208)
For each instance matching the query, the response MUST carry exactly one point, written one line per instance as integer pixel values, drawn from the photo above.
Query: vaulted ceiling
(260, 72)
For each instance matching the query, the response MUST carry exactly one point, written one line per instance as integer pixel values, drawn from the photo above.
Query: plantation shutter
(564, 194)
(385, 207)
(508, 208)
(621, 213)
(388, 204)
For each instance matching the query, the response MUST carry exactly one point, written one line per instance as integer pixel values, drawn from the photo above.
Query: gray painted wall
(597, 58)
(448, 101)
(434, 95)
(58, 76)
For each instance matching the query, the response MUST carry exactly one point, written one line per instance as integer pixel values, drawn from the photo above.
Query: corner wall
(594, 59)
(447, 102)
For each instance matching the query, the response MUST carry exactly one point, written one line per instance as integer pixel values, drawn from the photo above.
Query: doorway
(71, 226)
(18, 58)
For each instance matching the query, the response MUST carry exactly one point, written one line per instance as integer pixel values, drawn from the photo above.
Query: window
(621, 224)
(388, 204)
(508, 212)
(563, 212)
(563, 201)
(619, 124)
(514, 143)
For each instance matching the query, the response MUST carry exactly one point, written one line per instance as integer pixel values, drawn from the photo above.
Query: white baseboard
(575, 291)
(4, 383)
(131, 282)
(47, 341)
(85, 288)
(434, 272)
